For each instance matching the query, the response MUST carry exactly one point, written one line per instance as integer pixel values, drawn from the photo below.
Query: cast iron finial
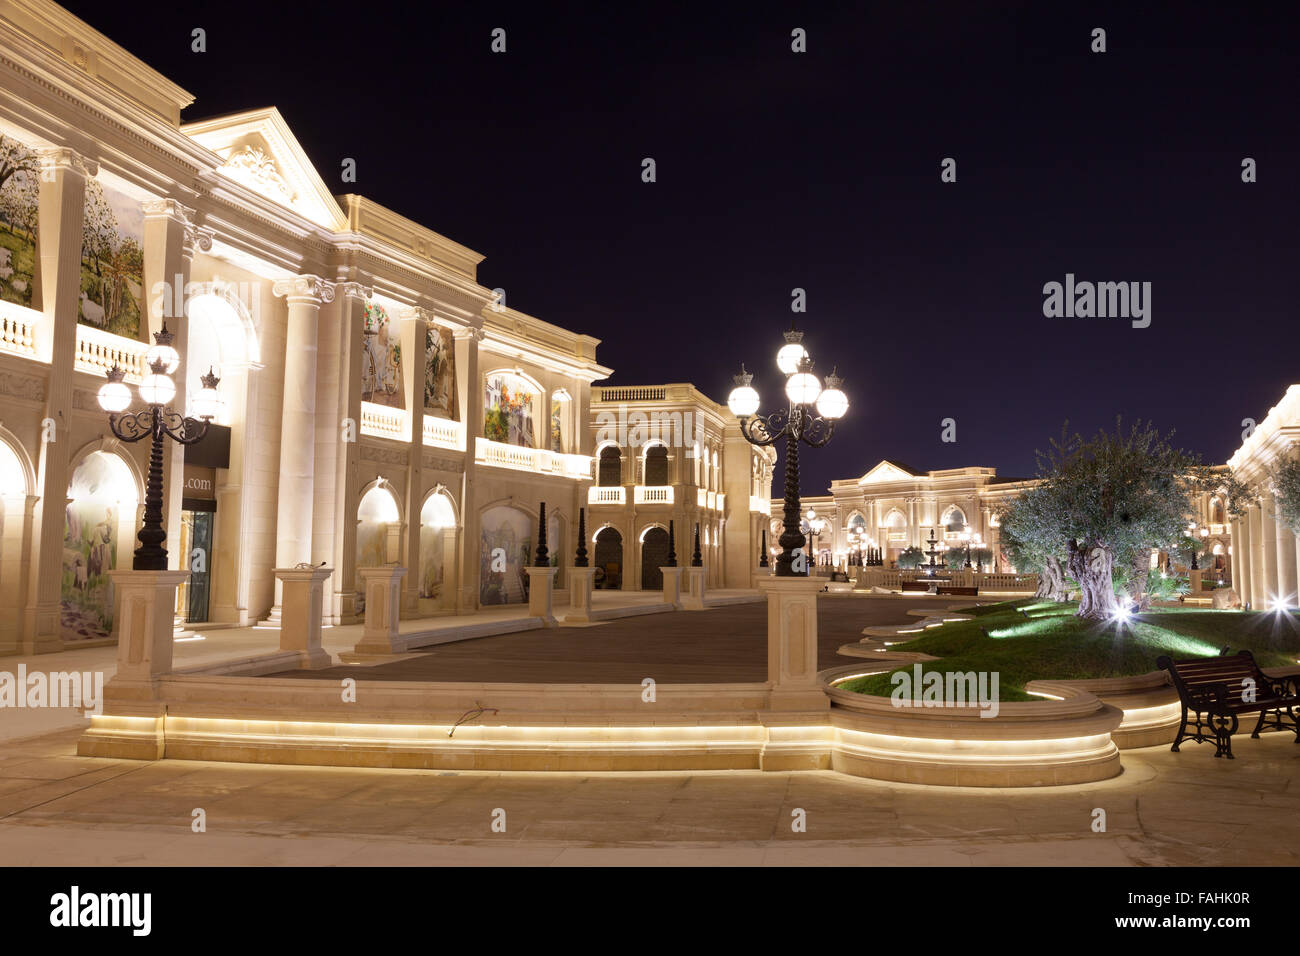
(696, 560)
(580, 558)
(543, 559)
(762, 551)
(672, 546)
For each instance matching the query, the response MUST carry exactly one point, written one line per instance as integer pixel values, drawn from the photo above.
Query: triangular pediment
(259, 151)
(885, 471)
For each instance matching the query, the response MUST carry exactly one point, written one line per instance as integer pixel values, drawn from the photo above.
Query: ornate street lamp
(795, 423)
(157, 423)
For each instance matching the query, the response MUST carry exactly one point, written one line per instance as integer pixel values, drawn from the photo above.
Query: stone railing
(99, 351)
(538, 460)
(18, 329)
(652, 494)
(444, 433)
(383, 421)
(610, 495)
(893, 578)
(652, 393)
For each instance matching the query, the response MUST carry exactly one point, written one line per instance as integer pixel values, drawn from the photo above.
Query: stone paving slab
(1186, 809)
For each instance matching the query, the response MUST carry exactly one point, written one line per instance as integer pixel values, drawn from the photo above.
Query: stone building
(1265, 551)
(378, 404)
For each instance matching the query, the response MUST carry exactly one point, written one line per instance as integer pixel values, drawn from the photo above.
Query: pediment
(885, 471)
(260, 152)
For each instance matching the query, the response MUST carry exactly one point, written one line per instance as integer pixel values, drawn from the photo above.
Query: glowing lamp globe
(743, 400)
(832, 403)
(162, 351)
(157, 389)
(114, 396)
(802, 388)
(207, 404)
(792, 353)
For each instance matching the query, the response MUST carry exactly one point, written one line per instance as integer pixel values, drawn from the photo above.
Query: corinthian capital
(310, 287)
(354, 290)
(197, 239)
(60, 157)
(169, 208)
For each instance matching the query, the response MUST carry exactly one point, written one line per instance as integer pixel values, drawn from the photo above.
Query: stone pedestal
(540, 583)
(302, 607)
(146, 603)
(383, 590)
(673, 586)
(580, 584)
(792, 643)
(696, 584)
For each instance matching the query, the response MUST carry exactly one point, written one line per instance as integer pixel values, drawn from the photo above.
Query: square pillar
(792, 643)
(383, 590)
(673, 586)
(301, 609)
(146, 603)
(348, 408)
(61, 213)
(540, 583)
(696, 585)
(580, 584)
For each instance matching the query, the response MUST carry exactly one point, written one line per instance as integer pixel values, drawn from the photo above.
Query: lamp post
(156, 422)
(794, 423)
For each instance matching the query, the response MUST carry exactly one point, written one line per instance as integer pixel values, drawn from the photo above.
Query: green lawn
(1027, 640)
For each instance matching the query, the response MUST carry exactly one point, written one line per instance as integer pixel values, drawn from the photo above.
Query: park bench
(1215, 690)
(914, 585)
(957, 589)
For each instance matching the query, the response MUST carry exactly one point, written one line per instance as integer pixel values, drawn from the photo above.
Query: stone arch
(507, 544)
(607, 557)
(609, 465)
(379, 529)
(104, 498)
(653, 555)
(17, 473)
(440, 528)
(949, 519)
(656, 468)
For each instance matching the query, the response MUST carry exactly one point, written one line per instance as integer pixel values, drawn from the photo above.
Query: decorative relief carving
(355, 290)
(22, 386)
(255, 168)
(60, 157)
(198, 238)
(386, 456)
(435, 463)
(305, 287)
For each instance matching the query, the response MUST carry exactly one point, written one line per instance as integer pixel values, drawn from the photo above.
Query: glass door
(196, 546)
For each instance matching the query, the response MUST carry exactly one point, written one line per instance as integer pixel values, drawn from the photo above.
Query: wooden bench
(915, 585)
(1215, 690)
(957, 589)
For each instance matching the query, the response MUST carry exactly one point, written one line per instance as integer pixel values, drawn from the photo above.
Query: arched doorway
(505, 551)
(610, 473)
(378, 524)
(654, 555)
(656, 466)
(98, 532)
(437, 552)
(609, 559)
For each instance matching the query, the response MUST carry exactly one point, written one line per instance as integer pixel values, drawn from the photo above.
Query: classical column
(1256, 557)
(62, 199)
(415, 325)
(470, 388)
(1234, 556)
(1286, 559)
(342, 608)
(18, 509)
(1268, 517)
(305, 294)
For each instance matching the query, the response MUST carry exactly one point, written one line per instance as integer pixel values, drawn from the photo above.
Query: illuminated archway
(98, 532)
(438, 525)
(378, 532)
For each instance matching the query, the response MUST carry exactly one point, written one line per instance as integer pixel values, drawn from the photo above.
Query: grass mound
(1030, 640)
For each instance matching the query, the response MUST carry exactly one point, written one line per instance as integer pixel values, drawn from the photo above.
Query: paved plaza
(1188, 808)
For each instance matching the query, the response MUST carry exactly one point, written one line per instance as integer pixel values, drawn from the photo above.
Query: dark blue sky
(821, 171)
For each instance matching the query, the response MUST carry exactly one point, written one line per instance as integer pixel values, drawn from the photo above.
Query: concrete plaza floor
(1165, 809)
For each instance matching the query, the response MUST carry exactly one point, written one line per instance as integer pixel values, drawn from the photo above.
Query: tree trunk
(1051, 581)
(1091, 567)
(1137, 589)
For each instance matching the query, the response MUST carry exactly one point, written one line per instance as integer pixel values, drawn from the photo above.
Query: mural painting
(19, 213)
(508, 410)
(112, 261)
(505, 553)
(440, 374)
(381, 359)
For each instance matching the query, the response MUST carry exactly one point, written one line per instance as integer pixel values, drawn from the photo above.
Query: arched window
(656, 465)
(611, 467)
(953, 520)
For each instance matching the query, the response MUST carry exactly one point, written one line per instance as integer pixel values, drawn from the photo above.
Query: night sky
(821, 170)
